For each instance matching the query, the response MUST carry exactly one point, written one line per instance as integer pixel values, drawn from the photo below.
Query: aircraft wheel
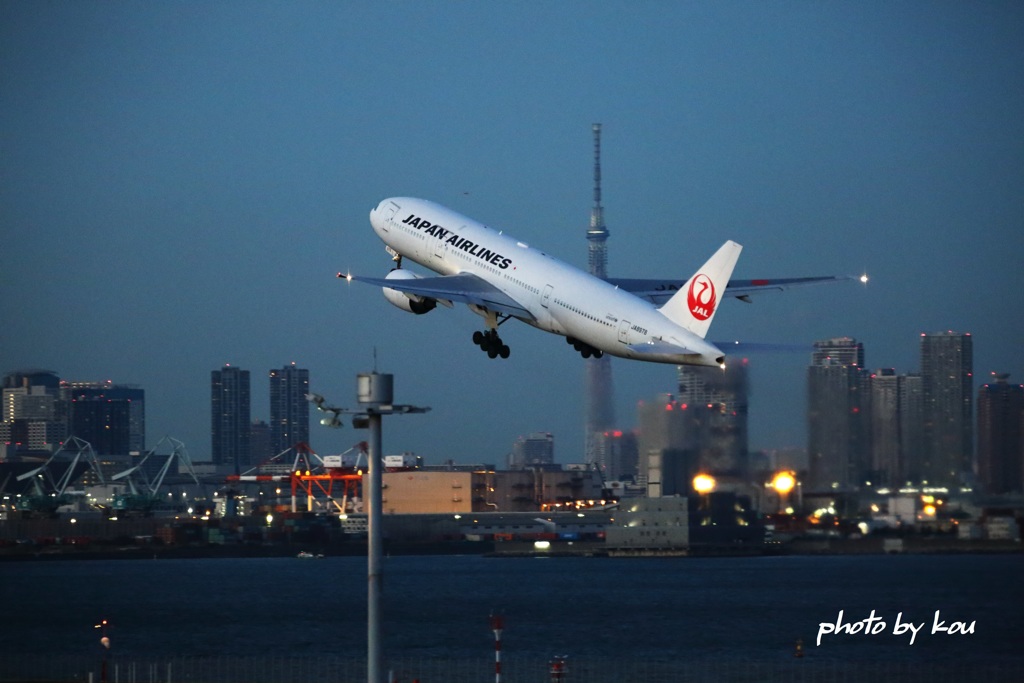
(492, 352)
(478, 338)
(504, 351)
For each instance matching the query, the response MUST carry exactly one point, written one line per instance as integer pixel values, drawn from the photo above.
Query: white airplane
(501, 278)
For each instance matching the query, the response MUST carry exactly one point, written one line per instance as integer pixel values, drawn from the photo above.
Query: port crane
(317, 477)
(50, 480)
(143, 487)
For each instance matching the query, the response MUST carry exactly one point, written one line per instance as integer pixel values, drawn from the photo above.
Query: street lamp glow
(784, 482)
(704, 483)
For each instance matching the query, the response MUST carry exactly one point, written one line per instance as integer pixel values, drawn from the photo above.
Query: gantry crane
(143, 489)
(315, 476)
(51, 479)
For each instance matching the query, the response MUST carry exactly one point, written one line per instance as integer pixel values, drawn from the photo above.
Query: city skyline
(865, 427)
(177, 194)
(499, 451)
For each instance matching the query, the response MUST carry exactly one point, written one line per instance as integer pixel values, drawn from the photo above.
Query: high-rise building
(717, 401)
(666, 449)
(887, 463)
(947, 373)
(109, 416)
(31, 378)
(895, 405)
(533, 450)
(30, 395)
(912, 438)
(597, 383)
(230, 423)
(617, 455)
(33, 419)
(40, 412)
(837, 444)
(259, 442)
(1001, 436)
(289, 409)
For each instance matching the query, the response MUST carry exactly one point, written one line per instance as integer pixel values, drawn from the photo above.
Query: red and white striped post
(497, 624)
(558, 669)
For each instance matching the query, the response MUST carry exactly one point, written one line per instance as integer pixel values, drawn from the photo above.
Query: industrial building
(650, 524)
(417, 491)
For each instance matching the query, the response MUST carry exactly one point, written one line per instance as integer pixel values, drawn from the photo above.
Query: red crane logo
(701, 297)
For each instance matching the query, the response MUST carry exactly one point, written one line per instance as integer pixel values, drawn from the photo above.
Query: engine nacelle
(407, 302)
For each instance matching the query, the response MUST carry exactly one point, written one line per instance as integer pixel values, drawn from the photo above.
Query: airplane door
(545, 297)
(389, 215)
(624, 331)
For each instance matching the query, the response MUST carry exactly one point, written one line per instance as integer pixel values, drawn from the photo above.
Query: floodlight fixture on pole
(375, 395)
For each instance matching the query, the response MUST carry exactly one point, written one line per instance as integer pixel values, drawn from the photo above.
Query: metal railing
(407, 669)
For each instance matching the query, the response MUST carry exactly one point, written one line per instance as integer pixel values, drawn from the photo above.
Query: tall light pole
(375, 395)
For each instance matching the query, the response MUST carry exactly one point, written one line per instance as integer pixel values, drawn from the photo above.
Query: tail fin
(694, 306)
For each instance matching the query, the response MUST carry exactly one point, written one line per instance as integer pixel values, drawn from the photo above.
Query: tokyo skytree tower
(597, 384)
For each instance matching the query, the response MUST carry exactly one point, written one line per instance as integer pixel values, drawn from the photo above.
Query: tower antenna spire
(597, 215)
(597, 235)
(597, 381)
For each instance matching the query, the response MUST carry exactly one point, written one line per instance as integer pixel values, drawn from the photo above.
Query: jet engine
(407, 302)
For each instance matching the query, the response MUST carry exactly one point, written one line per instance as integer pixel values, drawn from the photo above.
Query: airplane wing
(464, 287)
(660, 291)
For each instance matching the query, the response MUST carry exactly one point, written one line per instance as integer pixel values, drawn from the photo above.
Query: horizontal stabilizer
(660, 291)
(732, 348)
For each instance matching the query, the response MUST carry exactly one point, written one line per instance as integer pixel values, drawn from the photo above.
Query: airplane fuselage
(557, 297)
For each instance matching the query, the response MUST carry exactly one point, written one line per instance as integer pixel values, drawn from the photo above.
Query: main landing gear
(586, 350)
(491, 343)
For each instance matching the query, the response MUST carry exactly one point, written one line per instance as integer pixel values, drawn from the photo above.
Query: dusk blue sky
(180, 182)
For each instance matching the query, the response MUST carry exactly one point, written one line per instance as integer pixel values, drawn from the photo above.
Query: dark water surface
(746, 609)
